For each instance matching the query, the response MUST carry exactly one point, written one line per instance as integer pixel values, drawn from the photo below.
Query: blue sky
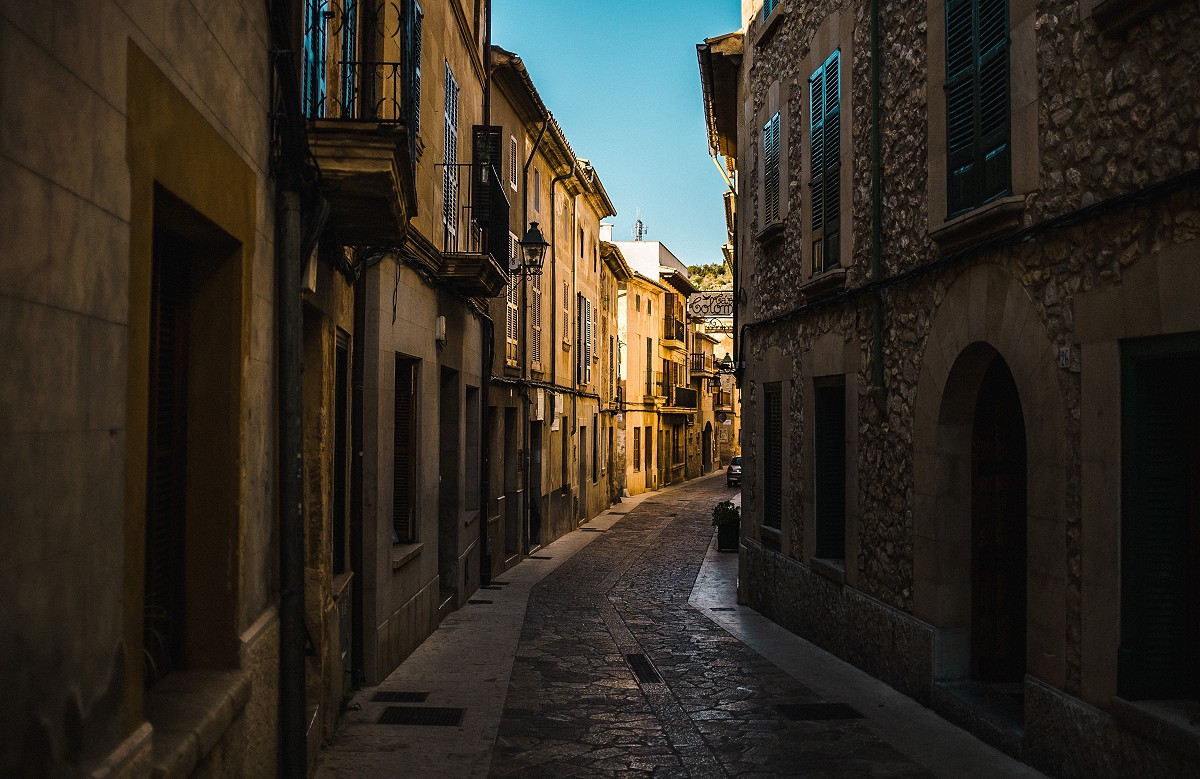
(621, 78)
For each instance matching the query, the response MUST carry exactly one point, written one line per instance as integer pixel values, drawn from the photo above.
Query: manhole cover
(642, 668)
(801, 712)
(421, 715)
(399, 696)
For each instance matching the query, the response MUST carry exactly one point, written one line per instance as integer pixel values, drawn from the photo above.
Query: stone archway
(985, 316)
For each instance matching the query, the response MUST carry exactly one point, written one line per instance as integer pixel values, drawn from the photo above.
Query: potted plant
(728, 520)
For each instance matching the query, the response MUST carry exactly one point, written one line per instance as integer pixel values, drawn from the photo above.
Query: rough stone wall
(1117, 112)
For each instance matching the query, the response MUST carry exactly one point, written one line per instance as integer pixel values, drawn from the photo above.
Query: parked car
(733, 474)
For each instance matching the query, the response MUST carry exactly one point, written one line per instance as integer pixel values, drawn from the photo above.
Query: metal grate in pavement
(802, 712)
(538, 557)
(497, 583)
(421, 715)
(643, 669)
(479, 601)
(592, 529)
(399, 696)
(722, 608)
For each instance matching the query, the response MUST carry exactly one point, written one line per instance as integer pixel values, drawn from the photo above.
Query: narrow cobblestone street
(615, 673)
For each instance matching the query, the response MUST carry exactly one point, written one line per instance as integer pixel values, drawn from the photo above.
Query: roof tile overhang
(720, 60)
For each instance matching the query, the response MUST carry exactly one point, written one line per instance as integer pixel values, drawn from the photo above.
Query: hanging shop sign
(718, 303)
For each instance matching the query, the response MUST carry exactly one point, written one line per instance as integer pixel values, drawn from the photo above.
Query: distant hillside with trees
(707, 277)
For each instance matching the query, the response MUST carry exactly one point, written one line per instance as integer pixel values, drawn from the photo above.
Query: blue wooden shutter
(771, 185)
(825, 117)
(977, 103)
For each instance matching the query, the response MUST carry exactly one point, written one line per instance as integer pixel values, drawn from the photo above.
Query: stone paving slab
(548, 689)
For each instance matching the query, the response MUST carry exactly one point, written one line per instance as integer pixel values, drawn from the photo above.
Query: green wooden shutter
(831, 177)
(771, 191)
(1160, 605)
(772, 455)
(768, 7)
(824, 144)
(413, 23)
(403, 453)
(829, 469)
(977, 103)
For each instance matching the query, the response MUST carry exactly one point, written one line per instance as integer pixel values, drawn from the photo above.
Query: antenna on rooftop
(639, 227)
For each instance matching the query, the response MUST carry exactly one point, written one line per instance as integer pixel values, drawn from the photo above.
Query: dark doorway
(534, 498)
(448, 468)
(998, 538)
(706, 448)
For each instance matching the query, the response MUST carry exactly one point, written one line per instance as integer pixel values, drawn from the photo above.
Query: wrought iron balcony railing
(363, 91)
(703, 363)
(674, 330)
(475, 212)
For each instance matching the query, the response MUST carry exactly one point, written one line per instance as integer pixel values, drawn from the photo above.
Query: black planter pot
(727, 537)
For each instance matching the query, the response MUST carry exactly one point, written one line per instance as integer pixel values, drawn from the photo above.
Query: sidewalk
(467, 663)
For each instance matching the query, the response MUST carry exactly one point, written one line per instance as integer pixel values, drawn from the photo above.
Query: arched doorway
(998, 531)
(706, 447)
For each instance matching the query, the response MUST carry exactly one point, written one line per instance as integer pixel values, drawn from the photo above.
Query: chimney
(606, 232)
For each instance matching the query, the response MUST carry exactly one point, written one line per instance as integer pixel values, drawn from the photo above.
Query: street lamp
(533, 250)
(725, 365)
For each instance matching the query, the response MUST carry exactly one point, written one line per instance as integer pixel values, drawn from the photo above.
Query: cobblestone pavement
(705, 705)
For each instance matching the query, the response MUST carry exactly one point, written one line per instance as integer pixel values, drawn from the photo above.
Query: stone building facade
(138, 408)
(968, 281)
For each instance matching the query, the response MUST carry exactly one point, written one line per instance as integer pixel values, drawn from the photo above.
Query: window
(977, 103)
(637, 448)
(771, 194)
(450, 158)
(512, 161)
(768, 7)
(829, 467)
(404, 443)
(649, 366)
(413, 22)
(1159, 656)
(513, 309)
(637, 304)
(824, 141)
(772, 455)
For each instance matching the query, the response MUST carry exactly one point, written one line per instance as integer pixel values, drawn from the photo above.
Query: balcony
(359, 134)
(675, 396)
(475, 247)
(685, 397)
(723, 400)
(674, 334)
(703, 366)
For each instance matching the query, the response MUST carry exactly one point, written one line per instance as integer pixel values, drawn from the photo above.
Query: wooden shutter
(771, 191)
(825, 154)
(404, 451)
(536, 316)
(637, 448)
(1160, 561)
(829, 469)
(450, 157)
(166, 477)
(512, 161)
(413, 23)
(977, 103)
(772, 455)
(649, 366)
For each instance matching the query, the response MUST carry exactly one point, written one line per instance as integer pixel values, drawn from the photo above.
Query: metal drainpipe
(487, 330)
(293, 757)
(877, 379)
